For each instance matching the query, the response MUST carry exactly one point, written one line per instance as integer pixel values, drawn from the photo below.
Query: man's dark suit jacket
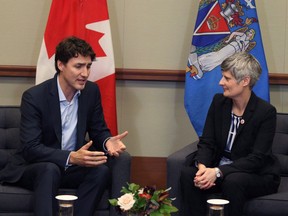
(41, 130)
(252, 148)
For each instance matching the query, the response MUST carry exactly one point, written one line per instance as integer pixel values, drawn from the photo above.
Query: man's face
(73, 75)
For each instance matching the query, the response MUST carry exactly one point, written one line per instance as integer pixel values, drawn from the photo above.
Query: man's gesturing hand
(115, 146)
(84, 157)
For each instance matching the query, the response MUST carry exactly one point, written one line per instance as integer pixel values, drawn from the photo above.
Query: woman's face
(231, 88)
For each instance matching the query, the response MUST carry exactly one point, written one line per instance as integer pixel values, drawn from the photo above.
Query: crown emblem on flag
(213, 22)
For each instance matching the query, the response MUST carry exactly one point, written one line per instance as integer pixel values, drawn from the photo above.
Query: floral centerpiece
(144, 201)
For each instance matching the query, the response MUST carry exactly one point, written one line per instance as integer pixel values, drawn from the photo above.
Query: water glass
(66, 204)
(216, 207)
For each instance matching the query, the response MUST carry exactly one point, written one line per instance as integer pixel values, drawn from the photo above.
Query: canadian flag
(88, 20)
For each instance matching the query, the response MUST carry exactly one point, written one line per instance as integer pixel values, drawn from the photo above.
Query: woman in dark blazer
(234, 154)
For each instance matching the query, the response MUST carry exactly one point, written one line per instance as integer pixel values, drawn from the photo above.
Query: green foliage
(146, 201)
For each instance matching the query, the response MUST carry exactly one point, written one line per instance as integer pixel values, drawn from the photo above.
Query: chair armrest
(175, 162)
(120, 167)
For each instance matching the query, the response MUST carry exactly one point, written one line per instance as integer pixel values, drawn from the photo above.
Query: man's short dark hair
(72, 47)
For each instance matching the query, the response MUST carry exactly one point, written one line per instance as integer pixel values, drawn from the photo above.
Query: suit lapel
(81, 123)
(226, 117)
(54, 107)
(248, 113)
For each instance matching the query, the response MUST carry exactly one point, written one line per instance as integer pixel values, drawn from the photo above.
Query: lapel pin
(242, 121)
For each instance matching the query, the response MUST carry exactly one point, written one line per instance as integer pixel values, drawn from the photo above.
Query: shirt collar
(61, 94)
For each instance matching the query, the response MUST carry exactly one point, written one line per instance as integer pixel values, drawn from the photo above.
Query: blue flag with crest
(222, 28)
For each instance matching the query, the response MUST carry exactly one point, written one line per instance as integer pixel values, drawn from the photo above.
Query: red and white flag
(88, 20)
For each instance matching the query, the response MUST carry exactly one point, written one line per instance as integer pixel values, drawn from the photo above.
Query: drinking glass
(216, 207)
(66, 203)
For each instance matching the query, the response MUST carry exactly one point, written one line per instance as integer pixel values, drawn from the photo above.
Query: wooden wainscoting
(149, 171)
(132, 74)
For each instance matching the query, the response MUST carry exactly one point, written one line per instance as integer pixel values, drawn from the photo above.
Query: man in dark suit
(56, 117)
(234, 154)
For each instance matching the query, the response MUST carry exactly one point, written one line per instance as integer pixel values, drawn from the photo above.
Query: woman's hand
(205, 177)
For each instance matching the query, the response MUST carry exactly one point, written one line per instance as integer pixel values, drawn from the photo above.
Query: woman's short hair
(241, 65)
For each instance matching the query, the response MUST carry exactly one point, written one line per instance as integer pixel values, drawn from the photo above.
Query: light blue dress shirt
(69, 118)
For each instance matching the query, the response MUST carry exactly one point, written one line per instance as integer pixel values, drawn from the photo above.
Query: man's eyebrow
(83, 64)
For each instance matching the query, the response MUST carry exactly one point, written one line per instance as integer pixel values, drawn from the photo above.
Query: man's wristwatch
(218, 172)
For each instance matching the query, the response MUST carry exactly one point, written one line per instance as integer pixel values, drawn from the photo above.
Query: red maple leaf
(69, 18)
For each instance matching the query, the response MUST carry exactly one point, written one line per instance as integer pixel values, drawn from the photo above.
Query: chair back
(9, 127)
(280, 148)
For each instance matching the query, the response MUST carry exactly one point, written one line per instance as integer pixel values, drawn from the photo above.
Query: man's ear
(60, 65)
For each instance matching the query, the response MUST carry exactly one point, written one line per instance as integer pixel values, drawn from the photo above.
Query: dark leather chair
(16, 201)
(270, 205)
